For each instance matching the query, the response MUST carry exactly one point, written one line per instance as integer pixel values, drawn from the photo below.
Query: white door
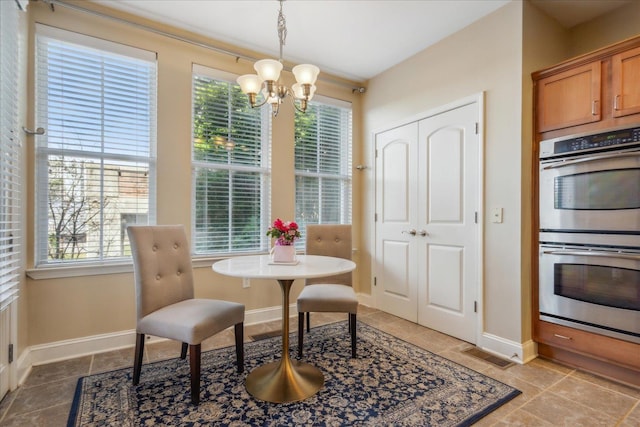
(5, 335)
(427, 176)
(396, 213)
(448, 252)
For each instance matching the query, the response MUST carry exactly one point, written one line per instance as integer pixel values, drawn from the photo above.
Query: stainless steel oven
(591, 286)
(591, 183)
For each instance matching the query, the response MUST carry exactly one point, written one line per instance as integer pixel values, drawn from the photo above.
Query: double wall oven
(589, 255)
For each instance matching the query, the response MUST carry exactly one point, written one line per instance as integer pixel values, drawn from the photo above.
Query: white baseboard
(68, 349)
(516, 352)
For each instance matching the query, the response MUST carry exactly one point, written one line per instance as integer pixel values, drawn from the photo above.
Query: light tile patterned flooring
(552, 394)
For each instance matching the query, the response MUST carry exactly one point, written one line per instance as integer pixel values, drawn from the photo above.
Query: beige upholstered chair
(328, 294)
(165, 306)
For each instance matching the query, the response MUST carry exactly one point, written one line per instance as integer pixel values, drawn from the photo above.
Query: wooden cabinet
(625, 69)
(587, 94)
(570, 98)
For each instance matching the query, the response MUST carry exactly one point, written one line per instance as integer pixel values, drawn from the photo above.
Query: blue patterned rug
(391, 383)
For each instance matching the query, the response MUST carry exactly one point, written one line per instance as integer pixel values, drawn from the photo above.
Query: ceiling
(355, 39)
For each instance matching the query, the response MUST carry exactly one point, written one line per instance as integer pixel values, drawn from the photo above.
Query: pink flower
(285, 233)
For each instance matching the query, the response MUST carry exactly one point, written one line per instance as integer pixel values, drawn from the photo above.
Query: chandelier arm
(303, 101)
(264, 101)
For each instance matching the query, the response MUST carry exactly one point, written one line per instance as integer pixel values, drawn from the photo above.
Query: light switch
(245, 283)
(496, 215)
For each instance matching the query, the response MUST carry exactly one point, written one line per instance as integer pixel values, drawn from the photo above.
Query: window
(323, 163)
(95, 165)
(10, 159)
(231, 166)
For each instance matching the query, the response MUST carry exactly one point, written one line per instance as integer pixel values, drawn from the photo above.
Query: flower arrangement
(285, 233)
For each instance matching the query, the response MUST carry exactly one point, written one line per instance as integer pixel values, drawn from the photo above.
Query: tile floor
(552, 394)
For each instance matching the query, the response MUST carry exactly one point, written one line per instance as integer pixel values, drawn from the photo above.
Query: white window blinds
(231, 166)
(10, 154)
(323, 163)
(95, 166)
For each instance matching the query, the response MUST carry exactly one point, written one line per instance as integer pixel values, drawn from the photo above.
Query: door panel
(396, 276)
(444, 198)
(395, 269)
(395, 181)
(448, 186)
(444, 278)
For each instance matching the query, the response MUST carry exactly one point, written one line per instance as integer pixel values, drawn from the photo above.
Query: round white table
(285, 380)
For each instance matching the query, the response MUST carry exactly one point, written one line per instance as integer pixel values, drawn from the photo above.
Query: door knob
(423, 233)
(412, 232)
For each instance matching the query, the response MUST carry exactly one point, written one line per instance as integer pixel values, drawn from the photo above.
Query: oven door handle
(591, 159)
(595, 254)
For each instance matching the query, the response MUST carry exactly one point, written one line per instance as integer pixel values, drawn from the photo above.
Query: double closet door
(427, 184)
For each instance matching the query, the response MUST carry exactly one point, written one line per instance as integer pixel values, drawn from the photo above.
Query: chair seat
(328, 298)
(191, 321)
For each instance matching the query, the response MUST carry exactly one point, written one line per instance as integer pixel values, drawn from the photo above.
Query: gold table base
(285, 380)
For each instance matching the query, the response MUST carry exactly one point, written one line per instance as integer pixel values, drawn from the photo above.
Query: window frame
(264, 169)
(44, 267)
(345, 177)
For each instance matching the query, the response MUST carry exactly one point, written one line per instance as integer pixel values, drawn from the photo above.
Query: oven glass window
(603, 285)
(601, 190)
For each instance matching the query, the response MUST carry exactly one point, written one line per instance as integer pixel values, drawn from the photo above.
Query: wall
(545, 42)
(617, 25)
(485, 56)
(71, 308)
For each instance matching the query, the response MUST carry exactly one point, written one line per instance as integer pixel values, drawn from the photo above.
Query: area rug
(391, 383)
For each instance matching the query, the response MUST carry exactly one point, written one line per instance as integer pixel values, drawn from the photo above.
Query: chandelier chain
(282, 29)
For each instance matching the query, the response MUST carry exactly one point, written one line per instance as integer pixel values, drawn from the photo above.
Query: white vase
(282, 253)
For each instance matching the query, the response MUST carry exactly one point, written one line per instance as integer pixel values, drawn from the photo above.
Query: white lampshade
(306, 73)
(249, 83)
(298, 93)
(268, 69)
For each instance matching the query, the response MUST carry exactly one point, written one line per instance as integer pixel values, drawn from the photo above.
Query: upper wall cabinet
(625, 69)
(589, 93)
(570, 98)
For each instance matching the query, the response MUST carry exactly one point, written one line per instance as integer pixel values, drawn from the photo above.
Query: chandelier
(267, 79)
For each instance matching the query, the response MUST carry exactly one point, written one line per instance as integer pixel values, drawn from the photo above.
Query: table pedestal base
(284, 381)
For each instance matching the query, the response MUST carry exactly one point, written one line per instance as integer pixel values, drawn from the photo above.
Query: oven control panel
(593, 142)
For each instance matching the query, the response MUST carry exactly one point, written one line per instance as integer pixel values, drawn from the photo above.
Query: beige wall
(544, 43)
(484, 57)
(75, 307)
(620, 24)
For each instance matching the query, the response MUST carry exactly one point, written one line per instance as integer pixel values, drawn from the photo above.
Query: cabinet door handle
(412, 232)
(594, 111)
(563, 337)
(423, 233)
(615, 103)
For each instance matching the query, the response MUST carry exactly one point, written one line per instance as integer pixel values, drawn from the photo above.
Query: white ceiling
(352, 39)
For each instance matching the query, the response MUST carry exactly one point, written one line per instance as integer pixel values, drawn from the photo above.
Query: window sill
(79, 270)
(62, 271)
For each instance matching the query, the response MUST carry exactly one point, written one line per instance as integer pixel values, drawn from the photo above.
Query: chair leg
(352, 329)
(183, 351)
(137, 359)
(239, 333)
(308, 321)
(194, 363)
(300, 332)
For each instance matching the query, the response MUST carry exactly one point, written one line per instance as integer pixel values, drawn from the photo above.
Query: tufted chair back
(161, 266)
(330, 240)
